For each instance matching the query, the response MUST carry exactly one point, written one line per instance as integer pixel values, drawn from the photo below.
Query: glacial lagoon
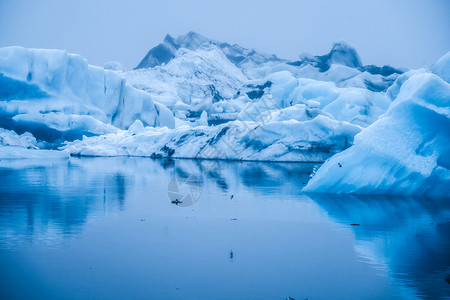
(138, 228)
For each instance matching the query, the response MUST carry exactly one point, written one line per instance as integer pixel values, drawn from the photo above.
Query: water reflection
(408, 237)
(109, 225)
(59, 194)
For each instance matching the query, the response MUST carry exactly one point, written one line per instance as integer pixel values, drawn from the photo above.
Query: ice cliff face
(57, 96)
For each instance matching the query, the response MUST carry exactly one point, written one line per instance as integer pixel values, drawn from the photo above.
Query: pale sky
(408, 33)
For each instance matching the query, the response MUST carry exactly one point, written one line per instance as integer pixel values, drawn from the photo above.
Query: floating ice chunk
(405, 152)
(13, 145)
(312, 139)
(43, 91)
(10, 138)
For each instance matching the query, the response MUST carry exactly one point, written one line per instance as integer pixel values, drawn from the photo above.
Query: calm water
(96, 228)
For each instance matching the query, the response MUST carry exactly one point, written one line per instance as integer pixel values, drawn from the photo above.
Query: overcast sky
(407, 33)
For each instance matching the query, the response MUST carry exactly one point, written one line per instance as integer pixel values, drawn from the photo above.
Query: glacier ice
(442, 67)
(165, 52)
(269, 138)
(191, 82)
(195, 97)
(406, 151)
(10, 138)
(57, 96)
(341, 54)
(25, 145)
(191, 74)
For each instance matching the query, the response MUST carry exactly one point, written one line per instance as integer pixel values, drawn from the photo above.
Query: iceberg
(442, 67)
(165, 74)
(297, 133)
(58, 96)
(195, 97)
(354, 105)
(192, 74)
(341, 53)
(238, 55)
(10, 138)
(406, 151)
(341, 65)
(191, 82)
(13, 145)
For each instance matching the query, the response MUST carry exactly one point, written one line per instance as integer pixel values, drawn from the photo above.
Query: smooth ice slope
(57, 96)
(407, 151)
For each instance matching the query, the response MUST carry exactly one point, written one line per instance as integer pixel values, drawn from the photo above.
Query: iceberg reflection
(408, 237)
(109, 225)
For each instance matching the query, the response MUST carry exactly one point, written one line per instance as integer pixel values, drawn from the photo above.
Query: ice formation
(194, 97)
(165, 52)
(25, 145)
(204, 75)
(297, 133)
(57, 96)
(191, 82)
(442, 67)
(406, 151)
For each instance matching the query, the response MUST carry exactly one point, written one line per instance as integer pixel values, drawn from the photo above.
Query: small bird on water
(176, 202)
